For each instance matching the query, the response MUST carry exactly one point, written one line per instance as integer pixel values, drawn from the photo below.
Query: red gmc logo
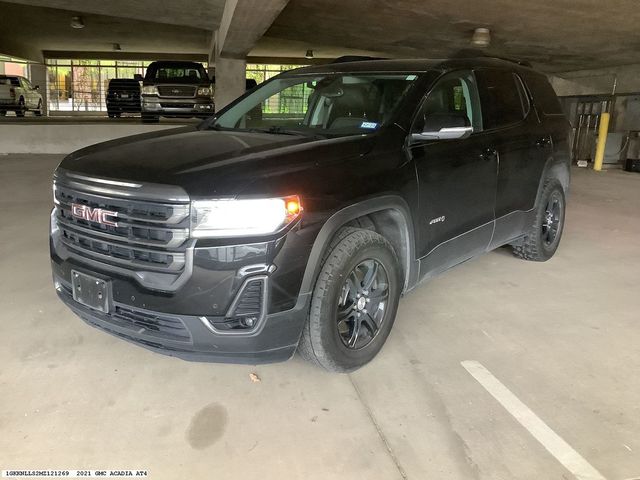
(96, 215)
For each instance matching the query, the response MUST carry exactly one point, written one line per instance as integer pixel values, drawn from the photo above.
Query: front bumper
(177, 106)
(192, 338)
(186, 322)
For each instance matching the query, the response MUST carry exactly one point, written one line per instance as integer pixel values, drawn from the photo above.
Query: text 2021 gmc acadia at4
(297, 216)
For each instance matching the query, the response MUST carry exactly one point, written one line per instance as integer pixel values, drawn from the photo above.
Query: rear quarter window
(502, 97)
(9, 81)
(544, 96)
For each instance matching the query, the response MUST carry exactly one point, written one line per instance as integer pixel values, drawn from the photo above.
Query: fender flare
(554, 168)
(394, 203)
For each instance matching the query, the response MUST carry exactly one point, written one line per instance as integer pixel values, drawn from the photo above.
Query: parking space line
(550, 440)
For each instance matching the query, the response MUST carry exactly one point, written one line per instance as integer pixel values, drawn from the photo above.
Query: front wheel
(543, 237)
(354, 302)
(21, 108)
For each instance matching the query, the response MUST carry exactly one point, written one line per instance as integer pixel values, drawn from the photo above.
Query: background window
(501, 98)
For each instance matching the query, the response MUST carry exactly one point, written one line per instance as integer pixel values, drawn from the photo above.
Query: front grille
(152, 324)
(178, 105)
(177, 91)
(149, 236)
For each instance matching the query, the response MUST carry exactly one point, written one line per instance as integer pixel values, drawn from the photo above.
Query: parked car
(18, 95)
(250, 236)
(123, 96)
(176, 89)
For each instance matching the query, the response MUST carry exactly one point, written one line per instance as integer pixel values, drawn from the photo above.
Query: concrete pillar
(1, 68)
(38, 76)
(231, 77)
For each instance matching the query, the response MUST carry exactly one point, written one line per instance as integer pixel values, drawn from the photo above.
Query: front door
(457, 178)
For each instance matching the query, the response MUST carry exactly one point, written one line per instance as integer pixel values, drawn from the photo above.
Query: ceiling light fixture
(76, 22)
(481, 37)
(309, 54)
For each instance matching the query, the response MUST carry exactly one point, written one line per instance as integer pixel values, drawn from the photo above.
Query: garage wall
(600, 81)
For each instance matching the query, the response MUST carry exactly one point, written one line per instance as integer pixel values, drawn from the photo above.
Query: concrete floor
(563, 336)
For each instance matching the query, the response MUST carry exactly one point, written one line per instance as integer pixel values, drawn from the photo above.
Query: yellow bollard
(603, 131)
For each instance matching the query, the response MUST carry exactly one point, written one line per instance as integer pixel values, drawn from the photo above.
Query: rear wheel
(354, 302)
(21, 108)
(543, 237)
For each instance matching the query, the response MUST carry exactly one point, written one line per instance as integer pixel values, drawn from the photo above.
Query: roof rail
(355, 58)
(524, 63)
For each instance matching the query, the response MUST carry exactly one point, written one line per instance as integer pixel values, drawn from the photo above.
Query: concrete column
(231, 76)
(38, 76)
(1, 68)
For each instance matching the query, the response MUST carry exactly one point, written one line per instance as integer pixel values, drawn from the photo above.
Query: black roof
(410, 65)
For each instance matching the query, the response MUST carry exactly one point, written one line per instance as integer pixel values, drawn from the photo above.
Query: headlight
(204, 92)
(150, 90)
(234, 218)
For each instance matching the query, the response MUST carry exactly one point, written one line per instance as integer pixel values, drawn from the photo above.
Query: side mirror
(37, 87)
(444, 126)
(138, 77)
(445, 133)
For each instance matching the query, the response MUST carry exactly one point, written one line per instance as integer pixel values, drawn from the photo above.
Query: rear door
(521, 143)
(457, 178)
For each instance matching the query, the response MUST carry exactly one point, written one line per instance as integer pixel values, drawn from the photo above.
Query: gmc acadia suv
(297, 217)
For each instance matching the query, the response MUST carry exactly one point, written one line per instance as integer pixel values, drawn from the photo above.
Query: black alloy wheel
(361, 309)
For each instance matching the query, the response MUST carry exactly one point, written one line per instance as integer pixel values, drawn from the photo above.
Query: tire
(3, 113)
(355, 257)
(543, 236)
(146, 118)
(38, 111)
(21, 108)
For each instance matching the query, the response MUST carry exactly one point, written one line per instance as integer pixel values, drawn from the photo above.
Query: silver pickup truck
(18, 95)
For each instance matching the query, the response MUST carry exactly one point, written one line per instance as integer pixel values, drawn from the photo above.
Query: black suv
(123, 96)
(176, 89)
(298, 216)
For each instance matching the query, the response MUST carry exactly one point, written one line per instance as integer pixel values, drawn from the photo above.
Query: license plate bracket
(90, 291)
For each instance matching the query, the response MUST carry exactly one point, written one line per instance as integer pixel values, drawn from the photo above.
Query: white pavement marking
(555, 445)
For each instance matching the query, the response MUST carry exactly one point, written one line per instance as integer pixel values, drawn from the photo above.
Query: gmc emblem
(96, 215)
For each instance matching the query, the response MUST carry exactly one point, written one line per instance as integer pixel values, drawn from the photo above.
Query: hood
(206, 162)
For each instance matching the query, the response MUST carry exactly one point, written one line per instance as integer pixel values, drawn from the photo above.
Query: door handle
(489, 154)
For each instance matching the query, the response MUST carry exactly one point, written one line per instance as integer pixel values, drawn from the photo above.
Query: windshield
(338, 104)
(177, 73)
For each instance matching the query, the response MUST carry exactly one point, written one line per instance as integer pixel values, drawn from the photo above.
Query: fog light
(250, 321)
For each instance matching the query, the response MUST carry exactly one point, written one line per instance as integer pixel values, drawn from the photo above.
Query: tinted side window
(455, 95)
(544, 95)
(502, 97)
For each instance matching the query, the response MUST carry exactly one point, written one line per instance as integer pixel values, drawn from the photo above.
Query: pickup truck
(18, 95)
(176, 89)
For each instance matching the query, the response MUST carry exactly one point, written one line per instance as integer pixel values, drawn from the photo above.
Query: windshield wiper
(277, 130)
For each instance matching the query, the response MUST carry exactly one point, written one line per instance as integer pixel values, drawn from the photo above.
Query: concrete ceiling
(205, 14)
(556, 35)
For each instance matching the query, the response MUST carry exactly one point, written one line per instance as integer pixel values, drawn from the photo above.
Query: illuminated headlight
(150, 90)
(204, 91)
(234, 218)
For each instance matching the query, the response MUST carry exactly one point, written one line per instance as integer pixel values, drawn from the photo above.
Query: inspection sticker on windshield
(371, 125)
